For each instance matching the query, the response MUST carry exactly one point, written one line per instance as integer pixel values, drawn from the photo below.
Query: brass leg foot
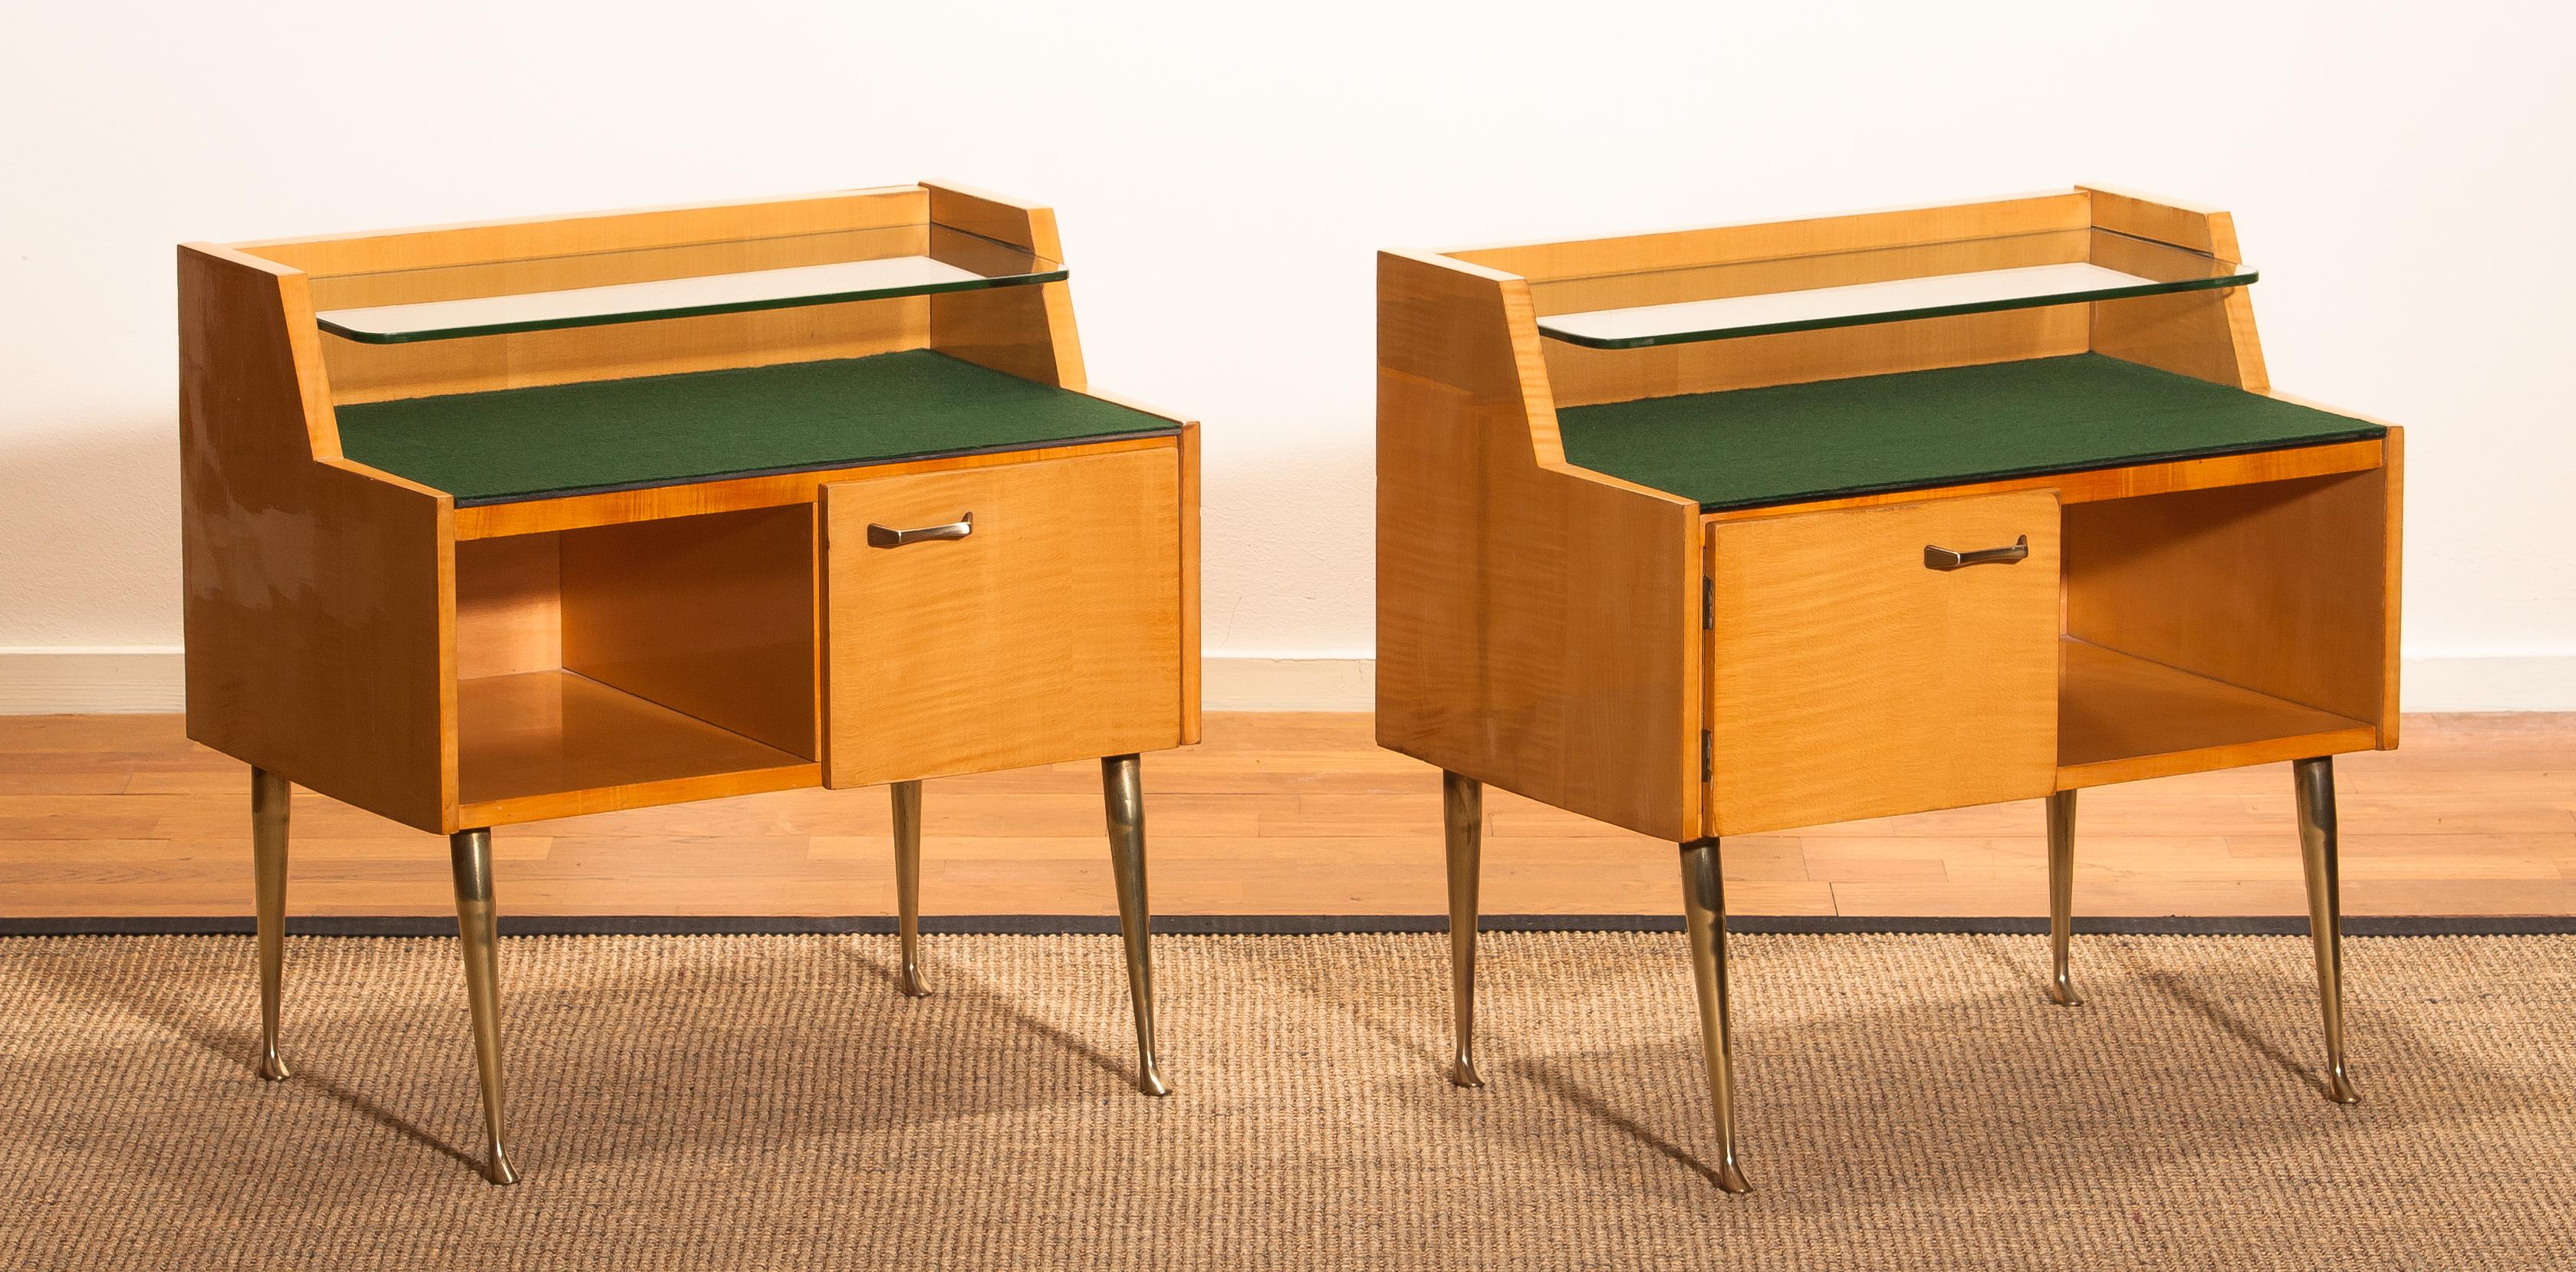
(1462, 801)
(2061, 895)
(2314, 781)
(907, 885)
(1704, 918)
(470, 853)
(1123, 792)
(269, 798)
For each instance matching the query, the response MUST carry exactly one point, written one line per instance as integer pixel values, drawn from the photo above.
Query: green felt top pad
(1798, 442)
(562, 439)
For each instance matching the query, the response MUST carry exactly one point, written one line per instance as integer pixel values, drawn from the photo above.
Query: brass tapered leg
(2061, 895)
(1122, 790)
(470, 853)
(269, 797)
(1704, 918)
(2314, 781)
(907, 885)
(1462, 802)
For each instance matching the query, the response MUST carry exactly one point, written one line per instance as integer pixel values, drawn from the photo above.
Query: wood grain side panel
(1191, 667)
(2281, 588)
(317, 599)
(995, 216)
(1848, 680)
(2391, 649)
(711, 616)
(2185, 225)
(1023, 331)
(1052, 632)
(1538, 626)
(2206, 335)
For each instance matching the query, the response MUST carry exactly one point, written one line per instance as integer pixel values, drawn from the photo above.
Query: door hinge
(1707, 756)
(1708, 604)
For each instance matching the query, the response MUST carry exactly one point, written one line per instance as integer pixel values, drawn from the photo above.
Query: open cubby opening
(625, 655)
(2207, 619)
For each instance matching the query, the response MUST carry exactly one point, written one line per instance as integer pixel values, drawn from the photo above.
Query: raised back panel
(1586, 377)
(583, 251)
(1793, 255)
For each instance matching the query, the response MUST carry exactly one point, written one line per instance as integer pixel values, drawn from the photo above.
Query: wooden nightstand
(493, 523)
(1722, 531)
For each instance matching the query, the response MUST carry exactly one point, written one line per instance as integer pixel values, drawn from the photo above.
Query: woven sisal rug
(769, 1102)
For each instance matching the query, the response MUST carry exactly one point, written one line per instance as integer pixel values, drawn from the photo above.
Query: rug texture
(770, 1102)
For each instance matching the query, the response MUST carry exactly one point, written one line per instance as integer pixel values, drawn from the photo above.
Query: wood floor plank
(1294, 814)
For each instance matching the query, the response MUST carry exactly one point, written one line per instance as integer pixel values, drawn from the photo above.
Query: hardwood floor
(1292, 814)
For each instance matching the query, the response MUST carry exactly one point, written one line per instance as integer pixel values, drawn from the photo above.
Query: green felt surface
(1797, 442)
(561, 439)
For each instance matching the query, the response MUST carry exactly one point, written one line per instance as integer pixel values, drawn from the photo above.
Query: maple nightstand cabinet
(1722, 531)
(494, 523)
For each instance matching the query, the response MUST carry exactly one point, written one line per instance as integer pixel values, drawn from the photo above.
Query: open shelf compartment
(552, 732)
(2231, 625)
(737, 275)
(1636, 310)
(2115, 708)
(640, 663)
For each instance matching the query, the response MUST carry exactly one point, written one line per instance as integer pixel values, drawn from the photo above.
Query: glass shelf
(1850, 289)
(596, 288)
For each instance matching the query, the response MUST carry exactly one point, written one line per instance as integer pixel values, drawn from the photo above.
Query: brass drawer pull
(888, 537)
(1933, 558)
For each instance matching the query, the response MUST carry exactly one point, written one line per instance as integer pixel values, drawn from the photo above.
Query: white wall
(1222, 175)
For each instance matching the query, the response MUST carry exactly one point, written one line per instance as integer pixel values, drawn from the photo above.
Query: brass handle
(889, 537)
(1945, 559)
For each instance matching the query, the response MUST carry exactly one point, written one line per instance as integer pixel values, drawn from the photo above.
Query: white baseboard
(96, 680)
(2489, 680)
(1239, 683)
(148, 678)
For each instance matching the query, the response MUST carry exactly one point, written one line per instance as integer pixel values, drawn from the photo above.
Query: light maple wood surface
(1298, 814)
(710, 616)
(1050, 632)
(1846, 680)
(318, 593)
(2207, 334)
(2167, 578)
(353, 630)
(1497, 562)
(2121, 718)
(540, 742)
(580, 250)
(1808, 252)
(2228, 610)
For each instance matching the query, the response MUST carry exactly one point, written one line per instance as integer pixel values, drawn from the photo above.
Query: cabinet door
(1849, 677)
(1049, 631)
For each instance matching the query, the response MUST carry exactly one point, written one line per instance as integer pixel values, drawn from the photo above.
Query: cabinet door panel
(1849, 678)
(1051, 631)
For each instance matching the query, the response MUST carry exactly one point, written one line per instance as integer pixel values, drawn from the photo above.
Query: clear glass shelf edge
(1731, 300)
(679, 281)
